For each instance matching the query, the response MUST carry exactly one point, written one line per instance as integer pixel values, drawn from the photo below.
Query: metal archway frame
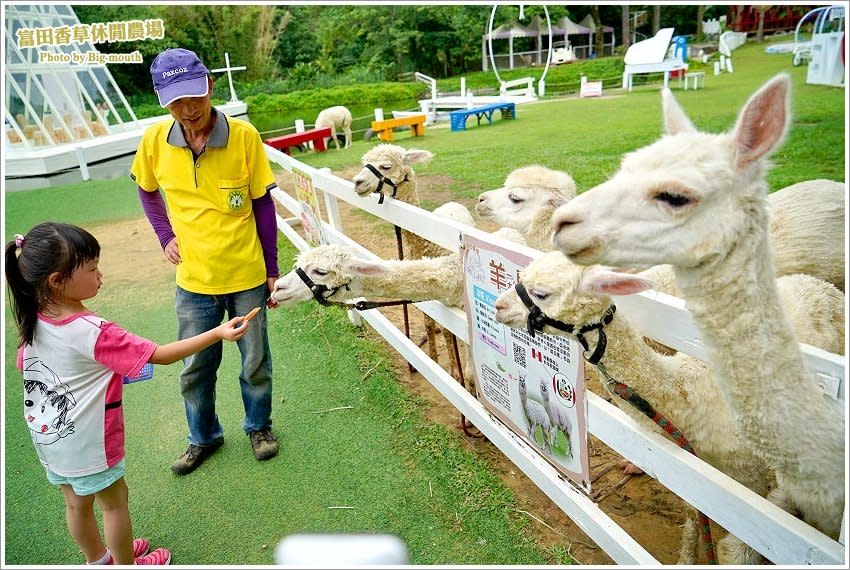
(490, 44)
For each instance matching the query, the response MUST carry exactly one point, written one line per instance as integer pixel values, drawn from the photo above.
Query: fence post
(379, 114)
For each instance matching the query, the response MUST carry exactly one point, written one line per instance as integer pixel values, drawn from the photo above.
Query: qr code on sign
(519, 355)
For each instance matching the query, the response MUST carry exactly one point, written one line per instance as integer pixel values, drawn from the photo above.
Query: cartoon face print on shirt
(46, 403)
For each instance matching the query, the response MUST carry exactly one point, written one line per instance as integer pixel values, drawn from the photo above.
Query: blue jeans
(197, 313)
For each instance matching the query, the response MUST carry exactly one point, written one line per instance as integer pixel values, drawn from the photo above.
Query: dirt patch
(648, 511)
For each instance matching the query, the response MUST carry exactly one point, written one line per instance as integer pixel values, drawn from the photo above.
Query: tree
(270, 26)
(656, 18)
(700, 17)
(625, 21)
(599, 35)
(761, 11)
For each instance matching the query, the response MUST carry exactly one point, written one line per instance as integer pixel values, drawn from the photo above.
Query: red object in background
(776, 18)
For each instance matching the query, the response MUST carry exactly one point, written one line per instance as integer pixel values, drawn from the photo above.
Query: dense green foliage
(297, 46)
(366, 94)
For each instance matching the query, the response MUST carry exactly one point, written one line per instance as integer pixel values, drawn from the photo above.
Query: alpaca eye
(674, 200)
(515, 199)
(384, 167)
(320, 272)
(542, 295)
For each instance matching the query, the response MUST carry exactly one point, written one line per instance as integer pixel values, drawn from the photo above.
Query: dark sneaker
(263, 443)
(194, 456)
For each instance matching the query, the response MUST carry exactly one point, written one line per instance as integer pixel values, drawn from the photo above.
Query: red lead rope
(626, 393)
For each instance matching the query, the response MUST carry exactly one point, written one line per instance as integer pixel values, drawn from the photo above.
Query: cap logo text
(171, 72)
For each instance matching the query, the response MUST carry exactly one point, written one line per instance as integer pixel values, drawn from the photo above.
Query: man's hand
(271, 303)
(172, 252)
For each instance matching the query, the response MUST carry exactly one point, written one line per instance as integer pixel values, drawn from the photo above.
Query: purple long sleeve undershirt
(264, 216)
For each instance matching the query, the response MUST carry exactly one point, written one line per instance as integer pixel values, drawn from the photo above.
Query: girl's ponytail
(49, 247)
(24, 297)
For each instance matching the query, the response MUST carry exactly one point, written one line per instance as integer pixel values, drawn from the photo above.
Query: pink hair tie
(19, 240)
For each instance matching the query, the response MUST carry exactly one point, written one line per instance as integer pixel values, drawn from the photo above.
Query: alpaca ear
(597, 280)
(415, 155)
(556, 200)
(763, 121)
(675, 119)
(358, 266)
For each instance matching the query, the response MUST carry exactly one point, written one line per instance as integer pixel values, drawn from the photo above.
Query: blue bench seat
(459, 117)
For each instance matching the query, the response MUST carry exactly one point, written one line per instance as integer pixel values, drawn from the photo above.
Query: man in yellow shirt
(219, 229)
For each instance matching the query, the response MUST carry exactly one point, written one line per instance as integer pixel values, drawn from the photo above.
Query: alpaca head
(392, 162)
(687, 198)
(327, 265)
(565, 292)
(526, 192)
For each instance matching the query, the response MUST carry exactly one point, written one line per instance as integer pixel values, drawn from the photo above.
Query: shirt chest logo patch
(235, 200)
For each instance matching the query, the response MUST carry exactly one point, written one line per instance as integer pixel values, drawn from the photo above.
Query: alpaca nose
(500, 304)
(564, 222)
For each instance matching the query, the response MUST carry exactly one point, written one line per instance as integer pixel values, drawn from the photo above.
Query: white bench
(697, 79)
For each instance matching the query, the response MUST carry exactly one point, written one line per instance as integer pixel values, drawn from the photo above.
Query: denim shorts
(89, 484)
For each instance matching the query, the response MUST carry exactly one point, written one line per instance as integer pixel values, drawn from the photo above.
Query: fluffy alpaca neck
(658, 380)
(406, 190)
(415, 280)
(756, 358)
(538, 234)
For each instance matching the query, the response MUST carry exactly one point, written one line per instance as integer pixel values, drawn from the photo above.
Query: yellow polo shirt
(209, 201)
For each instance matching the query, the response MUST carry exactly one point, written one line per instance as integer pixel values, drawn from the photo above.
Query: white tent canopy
(579, 36)
(508, 32)
(608, 47)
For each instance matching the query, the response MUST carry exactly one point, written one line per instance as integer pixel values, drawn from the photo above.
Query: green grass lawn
(587, 137)
(399, 473)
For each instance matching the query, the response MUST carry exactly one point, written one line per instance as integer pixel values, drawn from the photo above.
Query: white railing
(523, 87)
(780, 537)
(430, 81)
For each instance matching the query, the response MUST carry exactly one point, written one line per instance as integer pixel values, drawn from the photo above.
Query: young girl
(73, 363)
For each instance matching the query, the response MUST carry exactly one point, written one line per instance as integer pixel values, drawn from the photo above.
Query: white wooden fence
(780, 537)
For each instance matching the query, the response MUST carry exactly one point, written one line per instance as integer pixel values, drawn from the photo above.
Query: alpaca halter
(318, 290)
(384, 180)
(537, 320)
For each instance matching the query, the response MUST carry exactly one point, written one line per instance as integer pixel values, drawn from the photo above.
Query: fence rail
(780, 537)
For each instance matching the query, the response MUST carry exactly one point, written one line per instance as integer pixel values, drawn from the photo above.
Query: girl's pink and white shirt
(73, 385)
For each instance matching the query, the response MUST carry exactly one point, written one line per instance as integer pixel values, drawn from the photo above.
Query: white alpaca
(526, 202)
(558, 417)
(535, 415)
(806, 221)
(681, 387)
(387, 170)
(698, 201)
(807, 229)
(334, 118)
(343, 275)
(343, 270)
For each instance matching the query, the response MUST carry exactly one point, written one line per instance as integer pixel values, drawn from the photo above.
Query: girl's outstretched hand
(234, 329)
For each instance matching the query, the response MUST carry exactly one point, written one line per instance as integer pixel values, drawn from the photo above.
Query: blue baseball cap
(178, 73)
